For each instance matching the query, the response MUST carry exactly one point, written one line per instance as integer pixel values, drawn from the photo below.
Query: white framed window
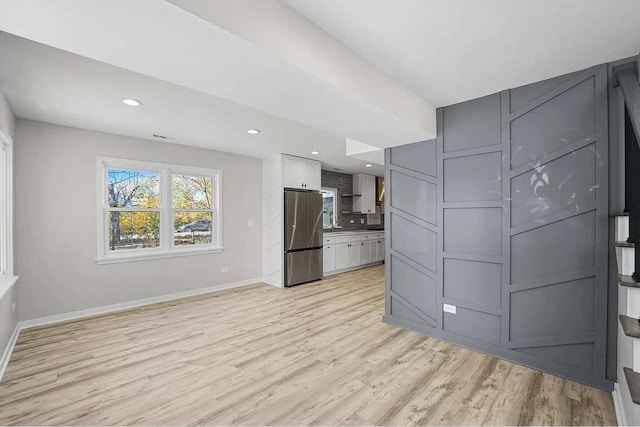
(7, 278)
(150, 210)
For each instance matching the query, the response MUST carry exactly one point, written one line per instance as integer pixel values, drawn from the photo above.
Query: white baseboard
(8, 350)
(274, 279)
(346, 270)
(619, 407)
(131, 304)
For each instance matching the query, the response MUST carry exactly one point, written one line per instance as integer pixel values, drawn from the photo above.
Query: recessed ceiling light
(368, 165)
(315, 153)
(131, 102)
(253, 131)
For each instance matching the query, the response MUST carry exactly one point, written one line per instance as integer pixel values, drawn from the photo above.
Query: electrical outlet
(449, 308)
(225, 269)
(361, 220)
(251, 223)
(13, 307)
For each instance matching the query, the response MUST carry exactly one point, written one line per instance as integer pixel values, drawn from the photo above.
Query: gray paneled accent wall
(504, 216)
(471, 206)
(412, 234)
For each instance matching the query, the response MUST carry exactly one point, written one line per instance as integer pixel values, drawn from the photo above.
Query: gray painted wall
(8, 318)
(504, 216)
(344, 184)
(55, 180)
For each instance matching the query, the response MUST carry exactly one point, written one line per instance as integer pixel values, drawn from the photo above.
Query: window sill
(6, 283)
(150, 256)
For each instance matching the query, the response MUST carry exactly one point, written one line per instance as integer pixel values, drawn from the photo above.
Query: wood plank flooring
(259, 355)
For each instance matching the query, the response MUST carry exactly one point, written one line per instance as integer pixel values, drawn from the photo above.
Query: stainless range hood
(379, 190)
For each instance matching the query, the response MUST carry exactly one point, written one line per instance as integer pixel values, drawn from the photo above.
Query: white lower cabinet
(378, 250)
(353, 254)
(328, 258)
(342, 256)
(365, 252)
(352, 250)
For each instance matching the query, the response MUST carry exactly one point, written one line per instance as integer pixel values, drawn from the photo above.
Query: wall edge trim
(8, 351)
(621, 418)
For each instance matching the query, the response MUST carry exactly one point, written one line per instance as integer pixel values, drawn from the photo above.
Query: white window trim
(7, 278)
(167, 248)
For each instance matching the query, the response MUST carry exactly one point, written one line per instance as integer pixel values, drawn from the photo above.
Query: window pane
(328, 207)
(192, 228)
(134, 230)
(192, 192)
(133, 189)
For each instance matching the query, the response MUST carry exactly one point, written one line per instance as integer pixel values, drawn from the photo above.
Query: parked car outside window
(200, 225)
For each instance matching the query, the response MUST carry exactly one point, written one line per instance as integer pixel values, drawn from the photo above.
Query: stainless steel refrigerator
(302, 237)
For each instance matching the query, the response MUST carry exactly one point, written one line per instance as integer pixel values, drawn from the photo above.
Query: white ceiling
(454, 50)
(158, 39)
(54, 86)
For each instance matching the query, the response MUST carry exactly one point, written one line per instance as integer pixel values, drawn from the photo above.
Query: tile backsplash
(344, 184)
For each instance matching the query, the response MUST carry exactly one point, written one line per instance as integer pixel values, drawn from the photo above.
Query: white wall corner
(272, 205)
(7, 118)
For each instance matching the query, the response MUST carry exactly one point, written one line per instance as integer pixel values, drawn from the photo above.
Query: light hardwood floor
(257, 355)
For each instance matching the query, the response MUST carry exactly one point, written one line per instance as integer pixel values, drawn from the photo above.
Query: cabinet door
(353, 254)
(379, 250)
(313, 175)
(341, 256)
(301, 173)
(365, 252)
(369, 194)
(357, 189)
(365, 186)
(293, 172)
(329, 258)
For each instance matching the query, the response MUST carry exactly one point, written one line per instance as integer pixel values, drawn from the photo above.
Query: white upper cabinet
(365, 186)
(313, 174)
(300, 173)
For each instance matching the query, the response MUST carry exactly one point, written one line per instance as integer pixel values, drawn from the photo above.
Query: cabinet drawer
(344, 239)
(328, 240)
